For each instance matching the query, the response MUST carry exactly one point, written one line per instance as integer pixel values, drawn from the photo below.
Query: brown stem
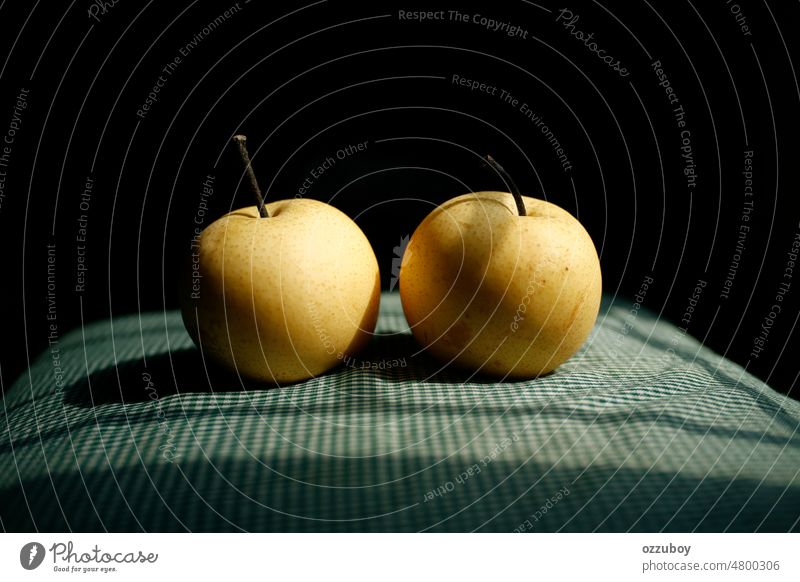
(492, 163)
(241, 141)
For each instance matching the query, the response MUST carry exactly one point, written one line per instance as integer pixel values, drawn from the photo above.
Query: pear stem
(241, 141)
(492, 163)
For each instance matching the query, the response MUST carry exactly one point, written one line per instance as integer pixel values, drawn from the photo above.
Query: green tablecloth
(643, 430)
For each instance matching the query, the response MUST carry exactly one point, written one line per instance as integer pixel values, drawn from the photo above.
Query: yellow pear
(501, 283)
(281, 292)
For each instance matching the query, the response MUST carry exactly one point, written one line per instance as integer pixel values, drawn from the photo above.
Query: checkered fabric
(643, 430)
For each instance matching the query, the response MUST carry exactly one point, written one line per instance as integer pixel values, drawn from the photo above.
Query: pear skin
(283, 298)
(492, 291)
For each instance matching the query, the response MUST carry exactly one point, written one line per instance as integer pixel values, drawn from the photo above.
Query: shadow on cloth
(186, 371)
(324, 493)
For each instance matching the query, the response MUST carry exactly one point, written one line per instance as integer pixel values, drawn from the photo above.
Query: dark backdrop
(304, 81)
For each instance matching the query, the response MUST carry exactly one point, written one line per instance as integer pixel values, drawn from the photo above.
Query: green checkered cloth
(643, 430)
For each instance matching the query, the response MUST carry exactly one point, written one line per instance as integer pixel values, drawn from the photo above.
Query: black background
(305, 80)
